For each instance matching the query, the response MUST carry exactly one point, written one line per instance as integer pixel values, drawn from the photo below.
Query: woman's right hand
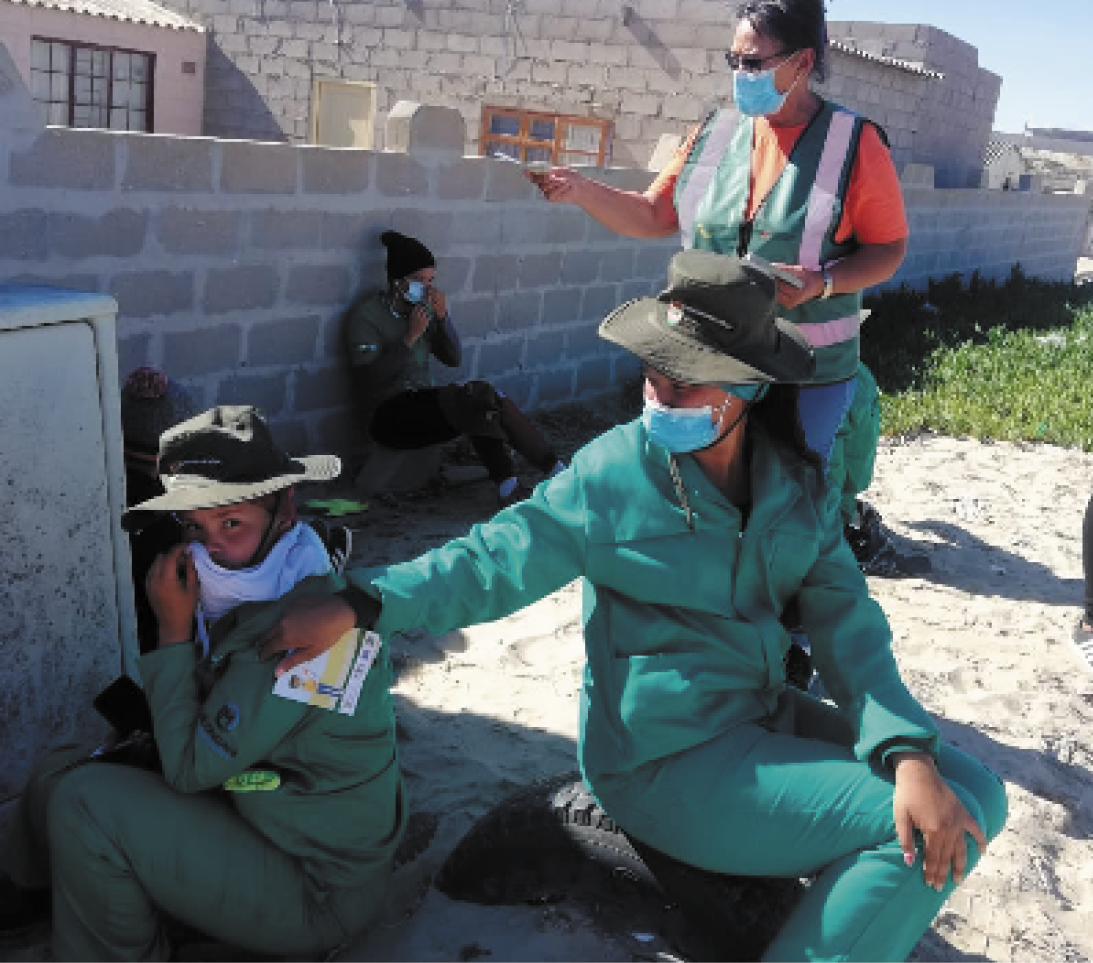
(419, 321)
(307, 629)
(173, 588)
(559, 185)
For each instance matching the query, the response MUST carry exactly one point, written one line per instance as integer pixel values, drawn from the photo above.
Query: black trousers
(414, 419)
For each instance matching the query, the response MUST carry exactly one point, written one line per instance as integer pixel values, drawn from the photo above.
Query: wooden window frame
(523, 141)
(73, 46)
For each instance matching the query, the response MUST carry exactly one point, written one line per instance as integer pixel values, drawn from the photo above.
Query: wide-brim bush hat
(223, 456)
(715, 323)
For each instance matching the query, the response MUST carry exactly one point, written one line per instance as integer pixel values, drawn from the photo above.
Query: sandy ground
(984, 642)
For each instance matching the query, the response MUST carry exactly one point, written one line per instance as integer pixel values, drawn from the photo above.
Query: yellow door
(343, 113)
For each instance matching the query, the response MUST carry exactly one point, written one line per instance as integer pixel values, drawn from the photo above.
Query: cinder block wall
(231, 261)
(652, 66)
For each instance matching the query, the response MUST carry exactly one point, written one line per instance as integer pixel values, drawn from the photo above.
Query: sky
(1043, 51)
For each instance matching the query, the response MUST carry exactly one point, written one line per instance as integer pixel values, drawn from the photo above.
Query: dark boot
(21, 909)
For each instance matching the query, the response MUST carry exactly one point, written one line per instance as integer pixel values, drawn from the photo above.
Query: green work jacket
(682, 632)
(794, 224)
(340, 805)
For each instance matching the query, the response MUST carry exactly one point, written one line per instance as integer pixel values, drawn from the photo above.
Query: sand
(983, 641)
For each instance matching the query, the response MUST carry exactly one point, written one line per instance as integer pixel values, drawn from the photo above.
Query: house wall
(654, 70)
(179, 97)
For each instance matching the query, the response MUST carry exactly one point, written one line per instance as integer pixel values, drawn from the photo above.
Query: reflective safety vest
(795, 223)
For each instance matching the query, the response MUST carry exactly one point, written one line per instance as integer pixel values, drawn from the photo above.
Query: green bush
(1010, 361)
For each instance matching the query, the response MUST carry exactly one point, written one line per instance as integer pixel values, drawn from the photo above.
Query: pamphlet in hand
(334, 679)
(771, 271)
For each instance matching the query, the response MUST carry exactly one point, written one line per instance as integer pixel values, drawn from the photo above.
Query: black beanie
(405, 255)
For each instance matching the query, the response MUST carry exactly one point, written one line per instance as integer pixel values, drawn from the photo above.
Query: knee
(77, 807)
(985, 799)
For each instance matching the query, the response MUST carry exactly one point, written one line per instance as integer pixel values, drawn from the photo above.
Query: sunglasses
(753, 65)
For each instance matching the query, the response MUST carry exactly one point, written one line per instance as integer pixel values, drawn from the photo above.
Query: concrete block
(519, 310)
(147, 294)
(497, 357)
(134, 351)
(266, 391)
(561, 305)
(353, 232)
(258, 168)
(554, 387)
(544, 349)
(23, 234)
(187, 231)
(398, 175)
(599, 301)
(593, 377)
(495, 272)
(638, 289)
(651, 261)
(464, 179)
(322, 387)
(432, 227)
(118, 233)
(328, 170)
(280, 230)
(290, 434)
(286, 341)
(517, 387)
(617, 265)
(325, 285)
(506, 182)
(452, 273)
(168, 163)
(424, 131)
(540, 270)
(580, 266)
(546, 72)
(241, 288)
(474, 317)
(209, 350)
(73, 159)
(584, 340)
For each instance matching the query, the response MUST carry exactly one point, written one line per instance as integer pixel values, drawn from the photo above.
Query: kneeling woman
(693, 528)
(274, 822)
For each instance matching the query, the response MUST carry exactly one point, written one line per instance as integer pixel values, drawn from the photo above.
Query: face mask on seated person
(683, 430)
(415, 292)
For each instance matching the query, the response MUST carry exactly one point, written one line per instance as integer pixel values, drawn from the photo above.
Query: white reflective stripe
(705, 166)
(825, 189)
(821, 334)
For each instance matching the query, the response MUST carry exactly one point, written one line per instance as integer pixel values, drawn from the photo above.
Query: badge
(227, 717)
(674, 315)
(253, 780)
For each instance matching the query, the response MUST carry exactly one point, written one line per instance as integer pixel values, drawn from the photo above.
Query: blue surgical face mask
(683, 430)
(755, 93)
(415, 292)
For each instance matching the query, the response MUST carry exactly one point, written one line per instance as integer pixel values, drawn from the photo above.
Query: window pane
(583, 137)
(39, 55)
(505, 124)
(542, 129)
(121, 66)
(82, 90)
(493, 147)
(99, 91)
(58, 114)
(138, 120)
(539, 154)
(58, 87)
(99, 62)
(39, 85)
(83, 60)
(79, 116)
(569, 159)
(138, 96)
(119, 119)
(139, 67)
(61, 56)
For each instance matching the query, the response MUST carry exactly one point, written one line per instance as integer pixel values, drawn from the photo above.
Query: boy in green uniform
(274, 821)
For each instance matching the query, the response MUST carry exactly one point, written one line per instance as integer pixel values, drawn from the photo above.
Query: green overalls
(292, 868)
(689, 735)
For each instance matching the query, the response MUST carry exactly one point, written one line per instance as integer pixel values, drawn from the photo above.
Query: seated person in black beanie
(390, 336)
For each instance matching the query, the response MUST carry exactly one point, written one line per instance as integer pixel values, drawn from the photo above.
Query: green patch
(1008, 361)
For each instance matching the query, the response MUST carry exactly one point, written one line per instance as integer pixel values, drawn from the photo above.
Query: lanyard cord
(681, 494)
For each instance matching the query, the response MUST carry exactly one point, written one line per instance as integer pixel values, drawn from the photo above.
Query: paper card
(334, 679)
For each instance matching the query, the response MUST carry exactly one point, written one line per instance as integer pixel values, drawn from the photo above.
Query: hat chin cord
(267, 542)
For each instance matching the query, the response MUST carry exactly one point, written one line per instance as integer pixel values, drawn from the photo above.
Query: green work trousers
(850, 467)
(123, 852)
(796, 802)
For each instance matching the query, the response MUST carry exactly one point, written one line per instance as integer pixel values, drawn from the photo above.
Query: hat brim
(641, 327)
(188, 493)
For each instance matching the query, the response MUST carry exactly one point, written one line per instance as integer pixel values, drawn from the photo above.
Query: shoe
(873, 549)
(21, 910)
(1083, 640)
(338, 541)
(798, 667)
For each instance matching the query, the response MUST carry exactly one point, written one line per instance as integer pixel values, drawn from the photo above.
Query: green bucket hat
(223, 456)
(715, 323)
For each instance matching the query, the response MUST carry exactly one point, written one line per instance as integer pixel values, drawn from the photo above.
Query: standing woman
(798, 180)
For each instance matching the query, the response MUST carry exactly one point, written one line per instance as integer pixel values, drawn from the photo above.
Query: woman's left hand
(812, 285)
(924, 801)
(438, 303)
(172, 588)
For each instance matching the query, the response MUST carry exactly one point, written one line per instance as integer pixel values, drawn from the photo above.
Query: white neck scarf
(297, 554)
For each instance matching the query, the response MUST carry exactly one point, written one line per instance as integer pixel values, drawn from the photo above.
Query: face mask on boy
(415, 292)
(683, 430)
